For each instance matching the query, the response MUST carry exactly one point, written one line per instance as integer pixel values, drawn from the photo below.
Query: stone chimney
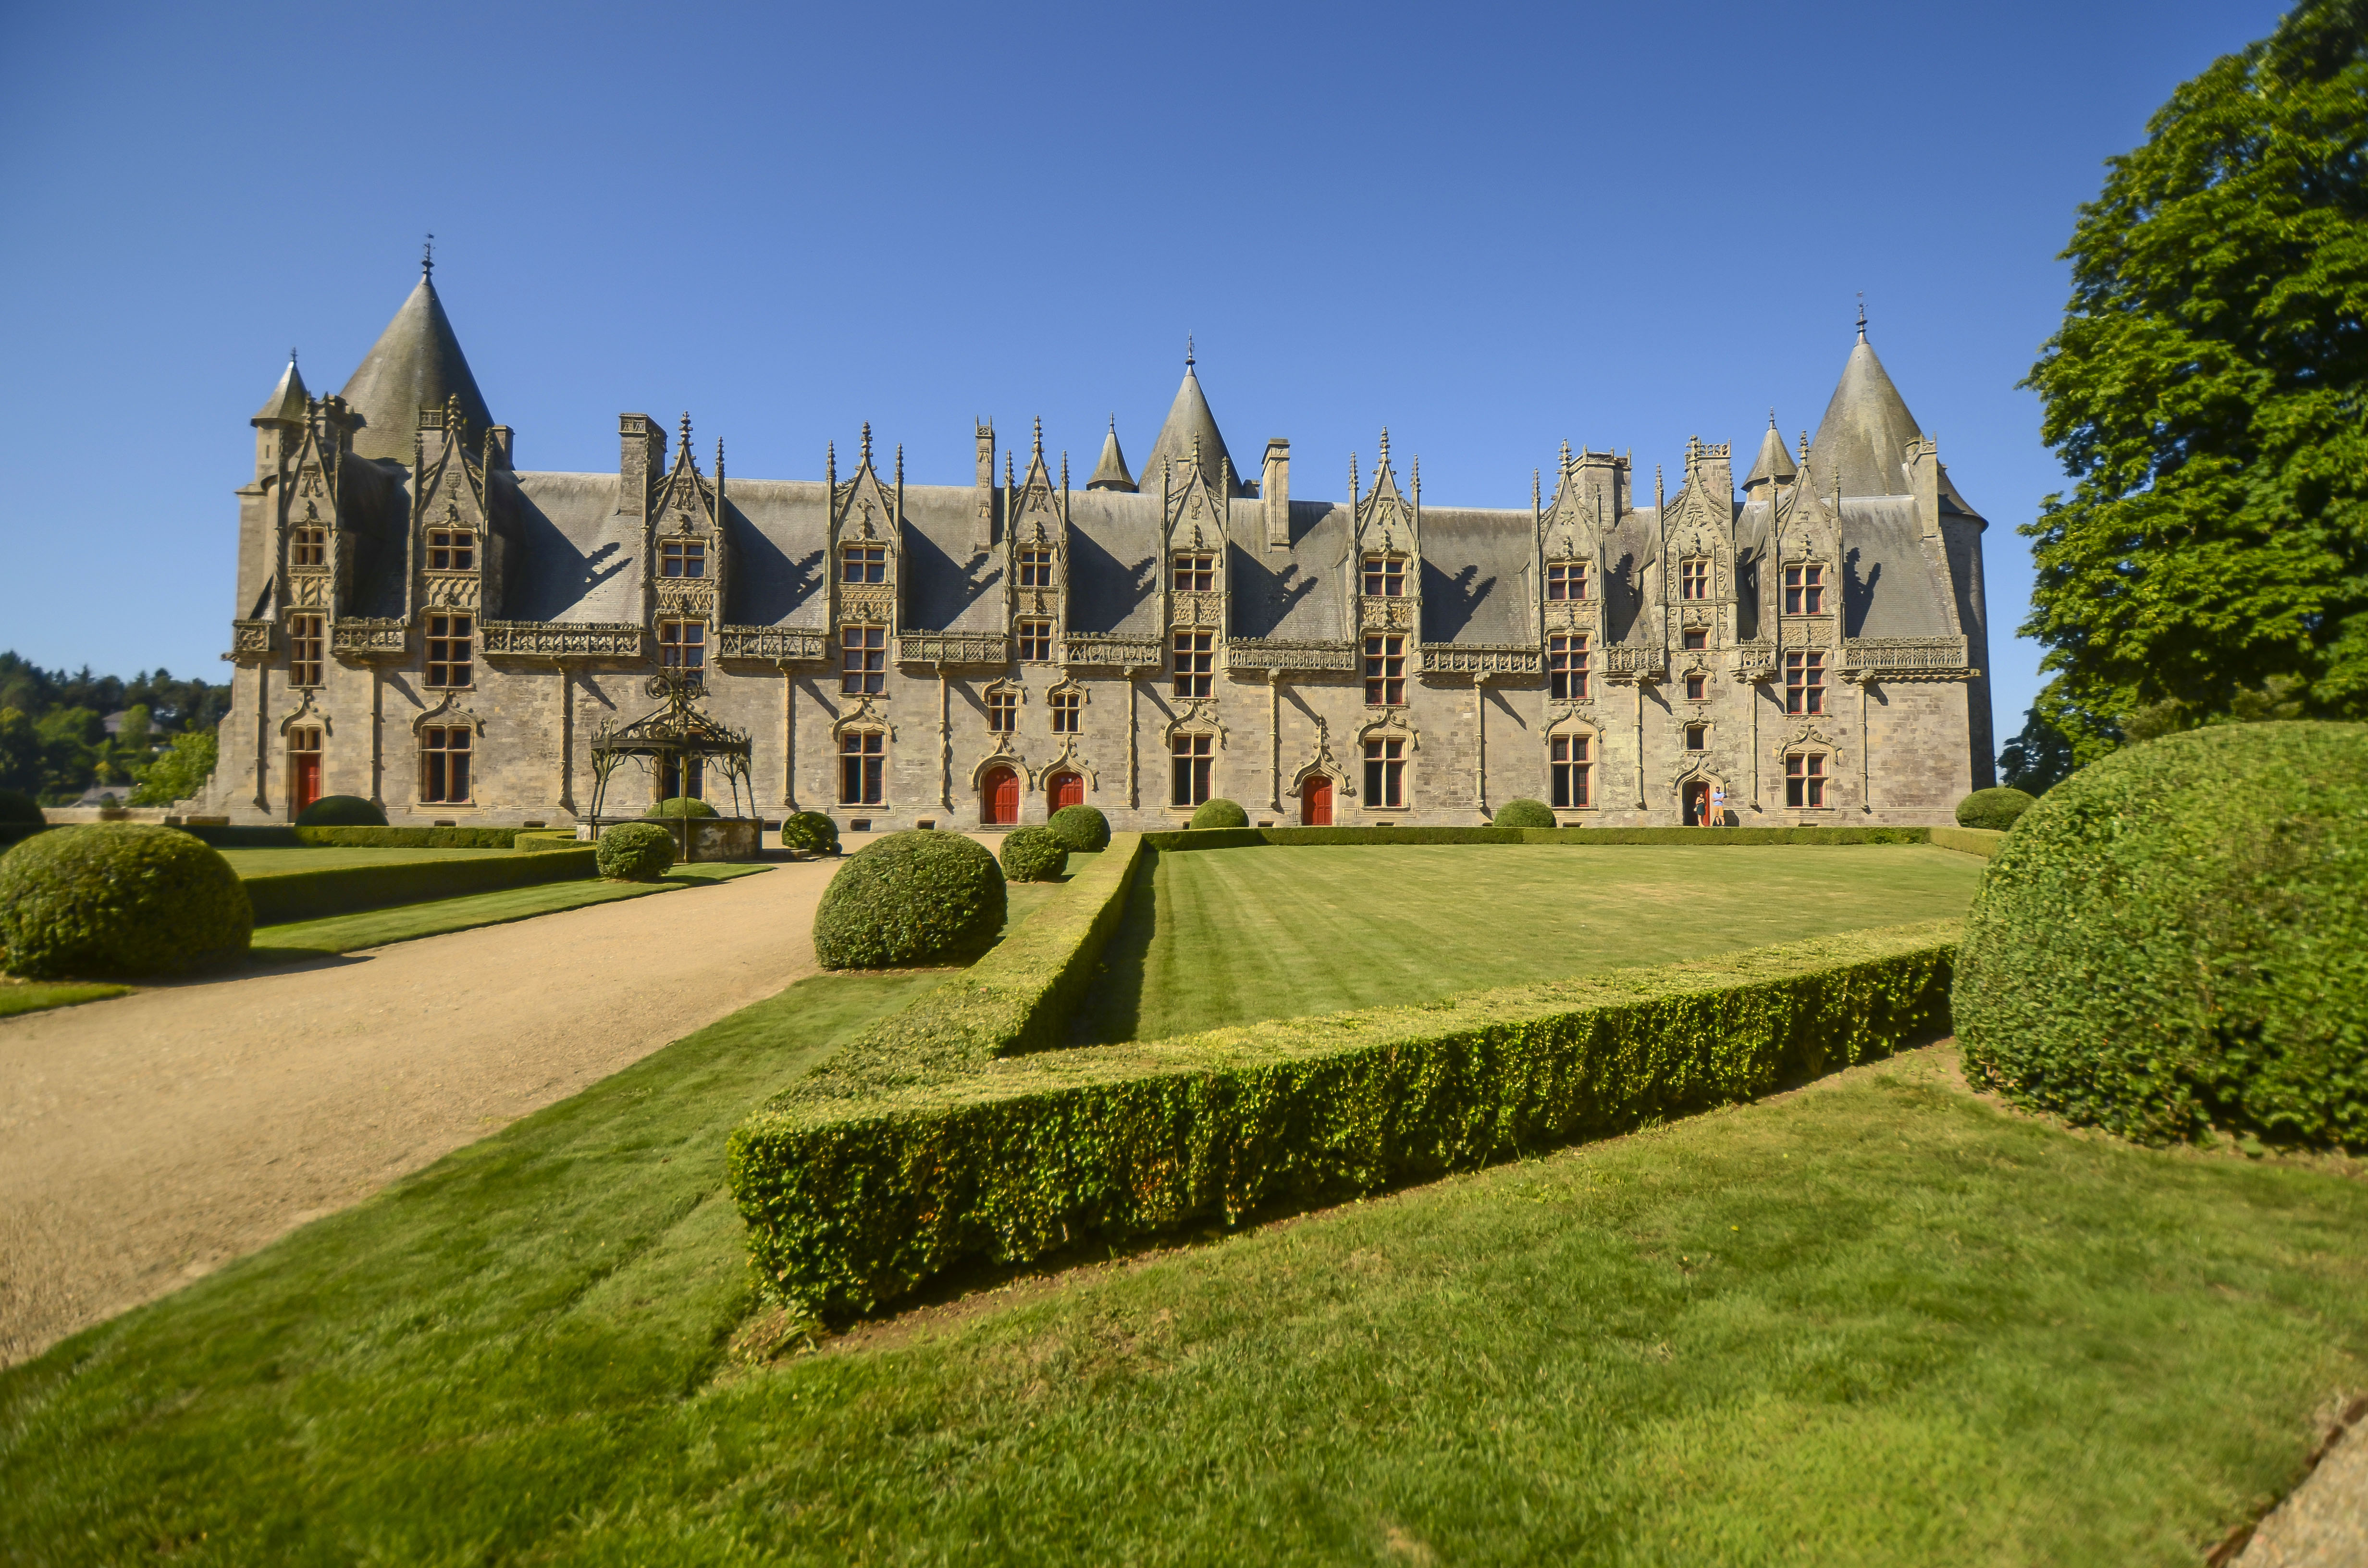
(642, 460)
(1274, 494)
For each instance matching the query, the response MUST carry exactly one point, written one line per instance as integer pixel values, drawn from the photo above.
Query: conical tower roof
(1111, 472)
(1864, 435)
(417, 363)
(1189, 420)
(287, 399)
(1773, 462)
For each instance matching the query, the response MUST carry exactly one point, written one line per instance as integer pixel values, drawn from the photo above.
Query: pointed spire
(417, 363)
(289, 399)
(1190, 424)
(1862, 441)
(1112, 473)
(1037, 449)
(1773, 462)
(900, 465)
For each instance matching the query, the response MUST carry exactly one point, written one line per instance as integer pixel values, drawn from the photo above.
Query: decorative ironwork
(770, 642)
(565, 639)
(1097, 651)
(674, 735)
(953, 648)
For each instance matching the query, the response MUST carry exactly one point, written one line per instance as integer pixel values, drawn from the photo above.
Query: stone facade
(421, 623)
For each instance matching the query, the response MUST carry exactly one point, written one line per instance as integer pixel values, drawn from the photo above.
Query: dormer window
(1386, 576)
(1195, 572)
(1036, 567)
(1566, 579)
(682, 558)
(1693, 579)
(1805, 589)
(310, 547)
(863, 564)
(451, 549)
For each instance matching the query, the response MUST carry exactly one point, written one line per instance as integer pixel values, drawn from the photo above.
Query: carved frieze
(1570, 615)
(565, 639)
(1191, 606)
(454, 590)
(953, 648)
(367, 638)
(867, 604)
(1275, 654)
(1480, 658)
(1905, 658)
(1627, 661)
(1377, 614)
(252, 641)
(309, 588)
(772, 643)
(1097, 651)
(685, 601)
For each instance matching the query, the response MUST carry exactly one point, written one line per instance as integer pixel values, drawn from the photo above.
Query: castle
(424, 624)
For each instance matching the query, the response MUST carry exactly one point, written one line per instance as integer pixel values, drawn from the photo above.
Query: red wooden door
(1067, 789)
(999, 798)
(1315, 802)
(303, 768)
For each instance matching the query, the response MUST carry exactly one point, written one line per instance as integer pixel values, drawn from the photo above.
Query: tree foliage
(53, 737)
(2206, 391)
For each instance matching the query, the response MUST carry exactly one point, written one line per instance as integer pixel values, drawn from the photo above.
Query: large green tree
(2206, 392)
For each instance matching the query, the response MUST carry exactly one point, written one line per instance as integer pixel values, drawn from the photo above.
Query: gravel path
(148, 1140)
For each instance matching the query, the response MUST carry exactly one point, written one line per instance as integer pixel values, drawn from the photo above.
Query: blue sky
(1490, 228)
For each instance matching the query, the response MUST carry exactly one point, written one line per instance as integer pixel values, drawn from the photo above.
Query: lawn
(1878, 1321)
(39, 996)
(376, 927)
(271, 862)
(1219, 937)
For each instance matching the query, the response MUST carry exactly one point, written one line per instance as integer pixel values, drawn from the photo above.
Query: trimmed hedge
(1524, 813)
(910, 898)
(1082, 828)
(1996, 809)
(853, 1199)
(1018, 998)
(2176, 938)
(18, 808)
(281, 896)
(341, 811)
(674, 806)
(1033, 855)
(812, 832)
(635, 852)
(1221, 812)
(119, 898)
(1979, 841)
(411, 837)
(1236, 839)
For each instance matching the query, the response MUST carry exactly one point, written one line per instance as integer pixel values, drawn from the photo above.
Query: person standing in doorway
(1717, 806)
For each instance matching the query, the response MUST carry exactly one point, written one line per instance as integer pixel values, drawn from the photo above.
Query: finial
(1064, 467)
(1772, 417)
(1187, 350)
(1384, 458)
(1534, 481)
(1113, 424)
(719, 458)
(685, 437)
(867, 441)
(1805, 446)
(427, 257)
(1039, 448)
(1862, 316)
(291, 358)
(900, 463)
(1566, 454)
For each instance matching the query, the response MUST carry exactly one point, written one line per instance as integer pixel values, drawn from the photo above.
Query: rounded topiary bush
(1033, 855)
(1081, 828)
(810, 831)
(910, 898)
(341, 811)
(634, 852)
(20, 810)
(681, 806)
(1221, 812)
(119, 898)
(2177, 936)
(1525, 814)
(1995, 809)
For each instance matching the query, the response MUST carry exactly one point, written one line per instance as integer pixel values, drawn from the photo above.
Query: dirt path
(146, 1141)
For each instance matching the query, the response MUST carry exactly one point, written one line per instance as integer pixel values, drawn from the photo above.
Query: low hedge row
(853, 1201)
(268, 837)
(282, 896)
(1980, 841)
(1242, 837)
(1018, 998)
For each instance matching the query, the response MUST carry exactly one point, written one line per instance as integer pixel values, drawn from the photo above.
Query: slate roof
(287, 399)
(1111, 472)
(415, 363)
(1189, 420)
(1865, 432)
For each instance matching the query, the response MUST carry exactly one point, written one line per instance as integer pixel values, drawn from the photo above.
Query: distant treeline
(54, 744)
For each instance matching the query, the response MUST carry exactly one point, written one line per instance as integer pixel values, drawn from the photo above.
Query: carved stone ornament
(452, 590)
(1066, 760)
(308, 713)
(874, 604)
(1279, 653)
(953, 648)
(1811, 737)
(1198, 714)
(1002, 754)
(1481, 659)
(1321, 761)
(864, 713)
(775, 643)
(449, 711)
(1098, 650)
(1194, 607)
(678, 601)
(564, 639)
(1376, 613)
(310, 588)
(1393, 725)
(1560, 715)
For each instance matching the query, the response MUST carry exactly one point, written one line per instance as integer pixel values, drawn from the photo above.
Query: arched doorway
(998, 798)
(1315, 802)
(1697, 799)
(1063, 789)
